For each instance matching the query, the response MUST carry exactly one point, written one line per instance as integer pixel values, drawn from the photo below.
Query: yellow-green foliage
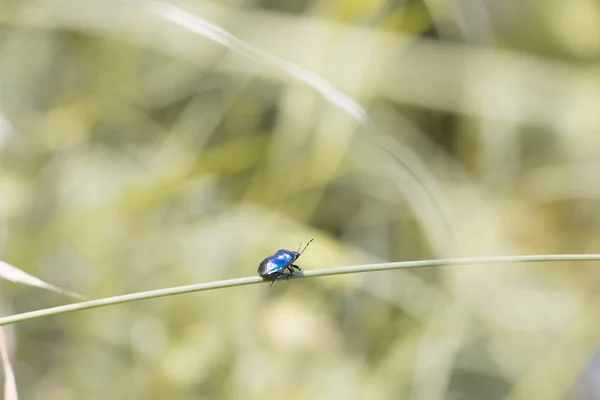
(136, 154)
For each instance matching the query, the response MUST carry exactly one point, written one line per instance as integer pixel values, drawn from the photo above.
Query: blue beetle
(275, 265)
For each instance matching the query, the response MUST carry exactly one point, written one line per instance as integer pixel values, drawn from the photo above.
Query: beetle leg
(289, 268)
(297, 267)
(277, 277)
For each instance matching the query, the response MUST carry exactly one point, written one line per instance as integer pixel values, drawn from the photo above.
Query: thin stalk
(199, 287)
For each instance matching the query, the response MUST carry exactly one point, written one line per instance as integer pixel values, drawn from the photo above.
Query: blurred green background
(136, 152)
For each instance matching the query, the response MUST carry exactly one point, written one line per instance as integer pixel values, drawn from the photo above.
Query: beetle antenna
(305, 246)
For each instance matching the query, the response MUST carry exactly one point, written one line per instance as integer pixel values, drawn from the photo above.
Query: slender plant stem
(86, 305)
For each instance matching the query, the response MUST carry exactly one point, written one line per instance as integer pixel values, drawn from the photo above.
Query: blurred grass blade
(7, 131)
(10, 384)
(219, 35)
(332, 94)
(14, 274)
